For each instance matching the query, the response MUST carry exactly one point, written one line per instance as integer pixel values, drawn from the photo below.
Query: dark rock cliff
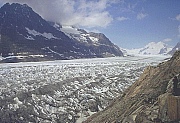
(153, 98)
(25, 33)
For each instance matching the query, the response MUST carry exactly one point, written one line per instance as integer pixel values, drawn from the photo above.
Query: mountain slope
(176, 48)
(152, 48)
(97, 42)
(150, 99)
(24, 33)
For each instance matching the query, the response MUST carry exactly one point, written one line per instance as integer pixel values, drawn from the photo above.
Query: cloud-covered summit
(72, 12)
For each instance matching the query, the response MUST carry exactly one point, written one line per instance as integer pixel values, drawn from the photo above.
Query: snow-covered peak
(90, 39)
(83, 36)
(154, 45)
(153, 48)
(79, 34)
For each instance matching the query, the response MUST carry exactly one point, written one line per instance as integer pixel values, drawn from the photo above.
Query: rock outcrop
(177, 47)
(153, 98)
(169, 103)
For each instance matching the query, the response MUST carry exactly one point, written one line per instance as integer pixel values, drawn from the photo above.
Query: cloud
(72, 12)
(178, 17)
(167, 40)
(122, 18)
(141, 16)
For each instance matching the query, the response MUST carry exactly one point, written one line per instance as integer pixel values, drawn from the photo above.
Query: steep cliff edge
(153, 98)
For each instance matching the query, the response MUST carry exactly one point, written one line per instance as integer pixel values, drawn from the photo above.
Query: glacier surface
(67, 90)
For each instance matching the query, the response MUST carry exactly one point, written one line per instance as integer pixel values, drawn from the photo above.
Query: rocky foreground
(153, 98)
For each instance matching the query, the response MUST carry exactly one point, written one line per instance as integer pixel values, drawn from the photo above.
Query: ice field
(67, 90)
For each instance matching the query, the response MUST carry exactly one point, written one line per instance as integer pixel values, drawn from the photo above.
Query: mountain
(97, 42)
(153, 98)
(152, 48)
(177, 47)
(26, 34)
(155, 48)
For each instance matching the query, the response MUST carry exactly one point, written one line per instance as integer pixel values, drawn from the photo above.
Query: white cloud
(167, 40)
(178, 17)
(141, 16)
(122, 18)
(72, 12)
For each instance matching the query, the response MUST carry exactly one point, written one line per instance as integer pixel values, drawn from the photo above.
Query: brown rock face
(153, 98)
(173, 108)
(169, 103)
(176, 86)
(169, 107)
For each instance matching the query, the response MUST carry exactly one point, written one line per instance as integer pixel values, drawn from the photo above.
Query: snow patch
(80, 36)
(36, 55)
(94, 39)
(29, 38)
(69, 30)
(35, 33)
(55, 52)
(18, 57)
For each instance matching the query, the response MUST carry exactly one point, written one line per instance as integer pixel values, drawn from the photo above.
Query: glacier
(67, 90)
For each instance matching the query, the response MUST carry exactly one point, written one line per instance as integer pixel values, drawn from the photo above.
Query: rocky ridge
(177, 47)
(153, 98)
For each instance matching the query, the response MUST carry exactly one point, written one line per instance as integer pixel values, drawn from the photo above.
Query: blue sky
(151, 20)
(127, 23)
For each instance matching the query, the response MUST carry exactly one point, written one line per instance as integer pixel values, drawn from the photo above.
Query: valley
(66, 90)
(74, 69)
